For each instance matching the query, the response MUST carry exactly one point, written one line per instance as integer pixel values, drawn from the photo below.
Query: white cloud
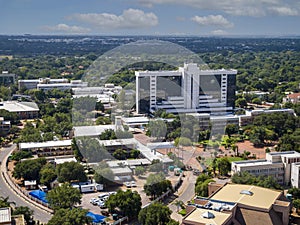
(130, 18)
(219, 32)
(64, 28)
(253, 8)
(284, 11)
(212, 20)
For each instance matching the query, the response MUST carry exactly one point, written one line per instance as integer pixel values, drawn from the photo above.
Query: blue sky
(150, 17)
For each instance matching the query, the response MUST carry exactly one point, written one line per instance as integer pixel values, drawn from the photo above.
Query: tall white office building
(187, 90)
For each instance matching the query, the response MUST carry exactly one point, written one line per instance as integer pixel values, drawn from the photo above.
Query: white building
(295, 175)
(186, 90)
(277, 164)
(24, 110)
(7, 78)
(49, 84)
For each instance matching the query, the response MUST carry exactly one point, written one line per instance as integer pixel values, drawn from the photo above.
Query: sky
(150, 17)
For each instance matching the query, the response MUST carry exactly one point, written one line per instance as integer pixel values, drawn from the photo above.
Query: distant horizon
(159, 35)
(151, 17)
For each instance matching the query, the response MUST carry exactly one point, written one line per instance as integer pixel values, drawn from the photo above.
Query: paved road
(5, 190)
(186, 192)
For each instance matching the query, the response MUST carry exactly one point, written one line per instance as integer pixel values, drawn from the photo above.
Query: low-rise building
(239, 204)
(48, 148)
(276, 164)
(7, 78)
(4, 126)
(24, 110)
(7, 219)
(293, 98)
(49, 84)
(250, 115)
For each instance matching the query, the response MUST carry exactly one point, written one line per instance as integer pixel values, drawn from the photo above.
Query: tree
(157, 129)
(224, 166)
(24, 210)
(155, 214)
(64, 196)
(104, 175)
(139, 170)
(231, 129)
(74, 216)
(296, 204)
(241, 102)
(184, 141)
(156, 185)
(156, 166)
(29, 169)
(70, 171)
(128, 202)
(4, 202)
(178, 204)
(47, 174)
(295, 192)
(120, 154)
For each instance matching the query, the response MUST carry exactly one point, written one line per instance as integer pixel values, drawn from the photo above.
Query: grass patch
(182, 212)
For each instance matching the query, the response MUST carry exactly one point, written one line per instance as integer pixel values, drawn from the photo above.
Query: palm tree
(4, 202)
(178, 203)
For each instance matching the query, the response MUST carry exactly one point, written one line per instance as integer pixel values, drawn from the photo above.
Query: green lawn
(208, 161)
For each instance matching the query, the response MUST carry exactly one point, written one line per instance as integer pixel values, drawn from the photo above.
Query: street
(6, 191)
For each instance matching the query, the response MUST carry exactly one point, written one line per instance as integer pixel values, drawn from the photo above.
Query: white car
(101, 204)
(127, 184)
(94, 201)
(133, 184)
(112, 193)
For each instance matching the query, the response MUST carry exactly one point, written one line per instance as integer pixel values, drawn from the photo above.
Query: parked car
(127, 184)
(133, 184)
(94, 201)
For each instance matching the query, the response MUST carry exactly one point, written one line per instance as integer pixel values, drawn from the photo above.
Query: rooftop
(15, 106)
(81, 131)
(5, 216)
(47, 144)
(205, 216)
(129, 162)
(261, 197)
(117, 142)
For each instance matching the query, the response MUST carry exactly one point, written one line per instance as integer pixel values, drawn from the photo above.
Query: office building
(277, 164)
(239, 204)
(187, 90)
(295, 175)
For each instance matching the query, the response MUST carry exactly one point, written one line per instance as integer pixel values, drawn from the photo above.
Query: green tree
(120, 154)
(157, 129)
(155, 214)
(64, 196)
(183, 141)
(4, 202)
(224, 166)
(139, 170)
(47, 174)
(295, 192)
(70, 171)
(241, 102)
(231, 129)
(29, 169)
(74, 216)
(104, 175)
(156, 184)
(128, 202)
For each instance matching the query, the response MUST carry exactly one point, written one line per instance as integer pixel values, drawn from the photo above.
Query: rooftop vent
(245, 192)
(208, 215)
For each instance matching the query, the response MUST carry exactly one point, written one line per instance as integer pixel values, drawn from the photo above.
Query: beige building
(235, 204)
(276, 164)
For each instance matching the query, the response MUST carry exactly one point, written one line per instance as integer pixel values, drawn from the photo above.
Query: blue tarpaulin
(41, 195)
(96, 217)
